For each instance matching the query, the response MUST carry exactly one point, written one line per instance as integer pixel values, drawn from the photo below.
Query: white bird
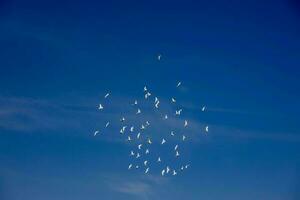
(96, 132)
(174, 173)
(187, 166)
(166, 117)
(145, 89)
(107, 124)
(163, 141)
(137, 167)
(182, 168)
(122, 131)
(149, 141)
(156, 100)
(143, 127)
(177, 154)
(135, 103)
(148, 94)
(147, 151)
(176, 147)
(157, 104)
(178, 84)
(145, 162)
(100, 107)
(140, 146)
(163, 172)
(206, 128)
(147, 170)
(106, 95)
(203, 108)
(158, 160)
(138, 111)
(130, 166)
(178, 112)
(183, 138)
(131, 153)
(173, 100)
(168, 169)
(122, 119)
(185, 123)
(147, 123)
(159, 57)
(132, 129)
(172, 133)
(138, 135)
(128, 138)
(138, 155)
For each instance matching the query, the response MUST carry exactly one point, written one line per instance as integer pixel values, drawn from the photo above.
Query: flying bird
(159, 57)
(149, 141)
(206, 128)
(173, 100)
(138, 155)
(131, 153)
(172, 133)
(122, 119)
(138, 111)
(147, 151)
(177, 154)
(96, 132)
(178, 84)
(145, 162)
(148, 94)
(140, 146)
(100, 107)
(147, 170)
(107, 124)
(166, 117)
(130, 166)
(163, 141)
(174, 173)
(106, 95)
(132, 129)
(145, 89)
(135, 103)
(157, 104)
(183, 138)
(138, 135)
(185, 123)
(122, 131)
(163, 172)
(158, 160)
(203, 108)
(168, 169)
(176, 147)
(178, 112)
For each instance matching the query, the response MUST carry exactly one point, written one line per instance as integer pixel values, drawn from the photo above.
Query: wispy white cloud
(140, 187)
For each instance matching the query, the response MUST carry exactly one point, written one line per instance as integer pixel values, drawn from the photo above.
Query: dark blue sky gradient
(58, 59)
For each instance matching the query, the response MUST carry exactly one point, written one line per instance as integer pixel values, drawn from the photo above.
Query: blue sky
(240, 59)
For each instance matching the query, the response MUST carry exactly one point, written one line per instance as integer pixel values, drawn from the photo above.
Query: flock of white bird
(143, 145)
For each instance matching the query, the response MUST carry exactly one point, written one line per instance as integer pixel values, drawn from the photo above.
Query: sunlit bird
(185, 123)
(96, 133)
(106, 95)
(178, 84)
